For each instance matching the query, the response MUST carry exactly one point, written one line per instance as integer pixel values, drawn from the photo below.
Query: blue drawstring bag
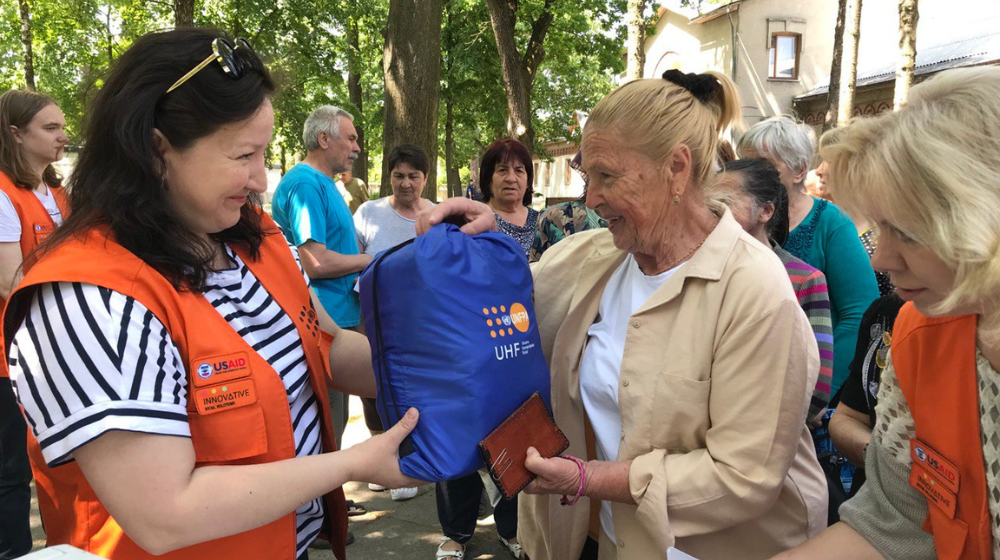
(453, 333)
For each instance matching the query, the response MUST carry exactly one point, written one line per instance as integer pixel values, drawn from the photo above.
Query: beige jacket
(714, 388)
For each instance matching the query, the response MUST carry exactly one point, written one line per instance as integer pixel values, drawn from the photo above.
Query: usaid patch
(935, 464)
(42, 232)
(220, 369)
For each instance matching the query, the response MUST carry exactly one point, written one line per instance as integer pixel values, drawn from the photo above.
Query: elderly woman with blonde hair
(927, 177)
(681, 362)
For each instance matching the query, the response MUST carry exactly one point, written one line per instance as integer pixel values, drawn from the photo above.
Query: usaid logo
(920, 453)
(205, 370)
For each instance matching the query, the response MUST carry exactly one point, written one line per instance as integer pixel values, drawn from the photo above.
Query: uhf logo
(503, 323)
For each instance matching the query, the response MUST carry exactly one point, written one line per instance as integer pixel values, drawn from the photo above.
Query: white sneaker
(403, 494)
(376, 487)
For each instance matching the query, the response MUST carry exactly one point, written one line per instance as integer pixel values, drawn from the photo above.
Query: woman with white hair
(926, 176)
(819, 233)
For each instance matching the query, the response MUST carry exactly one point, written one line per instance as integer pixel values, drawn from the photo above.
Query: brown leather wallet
(506, 448)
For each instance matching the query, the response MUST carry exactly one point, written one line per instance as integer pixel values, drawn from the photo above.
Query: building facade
(774, 50)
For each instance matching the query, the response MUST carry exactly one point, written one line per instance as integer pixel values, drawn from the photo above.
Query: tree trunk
(412, 69)
(833, 94)
(29, 57)
(284, 156)
(908, 16)
(354, 92)
(636, 39)
(849, 70)
(451, 165)
(183, 13)
(519, 71)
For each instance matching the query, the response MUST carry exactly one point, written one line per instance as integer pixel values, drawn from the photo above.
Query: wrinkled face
(43, 138)
(919, 275)
(510, 181)
(407, 183)
(208, 182)
(341, 152)
(740, 203)
(628, 189)
(791, 179)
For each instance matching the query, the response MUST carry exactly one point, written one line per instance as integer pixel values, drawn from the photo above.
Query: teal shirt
(828, 240)
(307, 206)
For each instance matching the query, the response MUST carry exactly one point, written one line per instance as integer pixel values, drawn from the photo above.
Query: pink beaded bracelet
(583, 482)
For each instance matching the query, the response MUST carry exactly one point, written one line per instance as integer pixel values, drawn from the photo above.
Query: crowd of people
(743, 370)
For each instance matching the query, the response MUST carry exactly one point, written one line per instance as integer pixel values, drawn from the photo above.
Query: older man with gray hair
(315, 218)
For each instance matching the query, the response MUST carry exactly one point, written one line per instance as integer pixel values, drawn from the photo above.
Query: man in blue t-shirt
(315, 218)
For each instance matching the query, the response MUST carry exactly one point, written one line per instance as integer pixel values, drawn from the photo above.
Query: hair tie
(701, 86)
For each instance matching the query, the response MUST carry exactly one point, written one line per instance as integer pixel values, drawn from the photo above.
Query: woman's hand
(377, 459)
(479, 217)
(555, 476)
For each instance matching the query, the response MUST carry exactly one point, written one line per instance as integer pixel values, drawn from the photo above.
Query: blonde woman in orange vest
(163, 345)
(927, 176)
(32, 205)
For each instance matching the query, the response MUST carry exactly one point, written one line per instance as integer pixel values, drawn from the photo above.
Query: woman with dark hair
(753, 191)
(32, 204)
(164, 347)
(506, 174)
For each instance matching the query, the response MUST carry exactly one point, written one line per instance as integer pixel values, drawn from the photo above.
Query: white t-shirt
(10, 224)
(600, 368)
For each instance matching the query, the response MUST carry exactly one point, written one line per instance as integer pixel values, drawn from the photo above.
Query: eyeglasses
(225, 54)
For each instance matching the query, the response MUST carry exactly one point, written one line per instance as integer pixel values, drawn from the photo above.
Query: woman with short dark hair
(753, 191)
(164, 346)
(506, 174)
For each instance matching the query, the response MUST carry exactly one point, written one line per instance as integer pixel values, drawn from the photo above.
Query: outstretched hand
(479, 217)
(377, 459)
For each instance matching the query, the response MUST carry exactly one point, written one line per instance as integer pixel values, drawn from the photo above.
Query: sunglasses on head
(224, 53)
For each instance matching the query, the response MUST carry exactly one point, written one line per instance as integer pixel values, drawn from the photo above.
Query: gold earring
(677, 199)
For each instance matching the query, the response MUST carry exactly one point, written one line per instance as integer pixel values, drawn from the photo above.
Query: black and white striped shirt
(88, 360)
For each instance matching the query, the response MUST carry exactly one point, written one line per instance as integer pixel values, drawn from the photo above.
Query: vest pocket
(228, 436)
(949, 534)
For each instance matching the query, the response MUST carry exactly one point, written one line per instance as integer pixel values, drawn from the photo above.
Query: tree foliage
(306, 46)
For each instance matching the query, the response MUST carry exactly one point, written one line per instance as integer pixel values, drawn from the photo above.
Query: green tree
(529, 31)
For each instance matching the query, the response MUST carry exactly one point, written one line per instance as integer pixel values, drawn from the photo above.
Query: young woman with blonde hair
(926, 176)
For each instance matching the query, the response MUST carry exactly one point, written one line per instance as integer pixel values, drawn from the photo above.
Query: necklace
(687, 256)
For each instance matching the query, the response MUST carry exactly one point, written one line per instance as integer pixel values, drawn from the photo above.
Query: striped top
(88, 360)
(811, 291)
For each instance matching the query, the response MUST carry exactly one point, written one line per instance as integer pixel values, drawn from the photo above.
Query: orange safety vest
(36, 226)
(253, 427)
(935, 362)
